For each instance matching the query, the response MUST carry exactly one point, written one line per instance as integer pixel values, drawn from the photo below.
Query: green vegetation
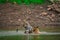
(35, 37)
(2, 1)
(25, 1)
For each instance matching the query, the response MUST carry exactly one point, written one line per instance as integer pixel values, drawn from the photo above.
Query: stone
(44, 13)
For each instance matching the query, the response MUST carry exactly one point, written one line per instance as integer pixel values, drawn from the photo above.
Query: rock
(44, 13)
(41, 7)
(28, 11)
(54, 7)
(49, 9)
(11, 21)
(19, 19)
(15, 14)
(37, 16)
(52, 15)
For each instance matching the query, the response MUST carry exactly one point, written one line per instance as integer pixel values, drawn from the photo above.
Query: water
(20, 35)
(10, 33)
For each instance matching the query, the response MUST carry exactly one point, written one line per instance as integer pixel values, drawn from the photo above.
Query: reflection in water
(31, 37)
(26, 37)
(36, 37)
